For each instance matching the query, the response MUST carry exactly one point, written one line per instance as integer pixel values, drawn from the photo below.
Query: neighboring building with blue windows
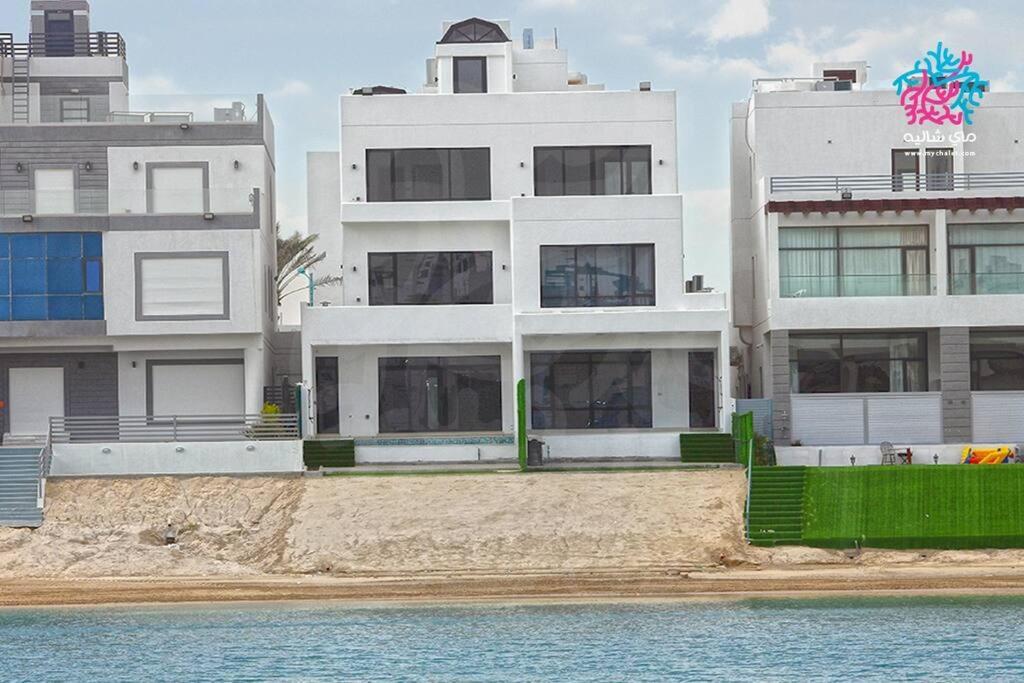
(51, 276)
(137, 247)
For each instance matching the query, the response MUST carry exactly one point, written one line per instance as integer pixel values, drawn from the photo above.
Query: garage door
(197, 389)
(36, 395)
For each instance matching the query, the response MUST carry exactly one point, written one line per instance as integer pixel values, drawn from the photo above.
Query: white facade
(530, 101)
(169, 217)
(814, 164)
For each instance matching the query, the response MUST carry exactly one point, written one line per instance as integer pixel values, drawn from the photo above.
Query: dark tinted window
(858, 363)
(453, 394)
(703, 406)
(592, 390)
(431, 277)
(597, 275)
(470, 74)
(404, 175)
(997, 361)
(562, 171)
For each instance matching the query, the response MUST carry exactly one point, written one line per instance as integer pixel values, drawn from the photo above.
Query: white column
(940, 252)
(306, 416)
(724, 383)
(254, 377)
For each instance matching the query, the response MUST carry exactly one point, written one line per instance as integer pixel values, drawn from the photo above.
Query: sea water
(778, 639)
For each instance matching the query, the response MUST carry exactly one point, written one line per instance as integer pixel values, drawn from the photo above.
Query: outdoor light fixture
(661, 162)
(27, 218)
(88, 166)
(853, 460)
(522, 164)
(935, 458)
(18, 167)
(184, 126)
(847, 194)
(355, 166)
(237, 164)
(135, 165)
(209, 216)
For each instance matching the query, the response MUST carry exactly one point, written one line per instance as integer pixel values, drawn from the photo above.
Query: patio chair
(888, 453)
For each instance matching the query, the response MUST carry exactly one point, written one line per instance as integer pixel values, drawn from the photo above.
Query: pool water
(779, 639)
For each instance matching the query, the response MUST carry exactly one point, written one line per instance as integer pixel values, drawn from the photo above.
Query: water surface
(863, 639)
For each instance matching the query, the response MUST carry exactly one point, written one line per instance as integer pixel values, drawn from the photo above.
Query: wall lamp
(184, 126)
(209, 216)
(27, 218)
(355, 166)
(18, 167)
(846, 194)
(237, 164)
(88, 166)
(135, 165)
(661, 162)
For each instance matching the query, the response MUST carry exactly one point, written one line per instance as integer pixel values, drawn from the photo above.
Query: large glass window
(597, 275)
(559, 171)
(469, 74)
(858, 363)
(450, 394)
(51, 276)
(986, 258)
(854, 261)
(591, 390)
(997, 361)
(424, 175)
(431, 277)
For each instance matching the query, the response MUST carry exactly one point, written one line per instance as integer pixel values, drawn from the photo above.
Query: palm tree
(294, 253)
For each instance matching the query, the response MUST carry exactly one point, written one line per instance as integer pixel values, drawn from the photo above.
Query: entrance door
(327, 395)
(36, 395)
(703, 409)
(60, 34)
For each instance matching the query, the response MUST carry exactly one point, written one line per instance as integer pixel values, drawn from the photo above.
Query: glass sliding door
(327, 395)
(703, 408)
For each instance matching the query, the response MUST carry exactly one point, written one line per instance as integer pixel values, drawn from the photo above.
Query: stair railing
(750, 478)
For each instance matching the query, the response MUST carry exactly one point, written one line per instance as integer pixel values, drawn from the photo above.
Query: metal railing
(173, 428)
(119, 201)
(900, 182)
(819, 286)
(95, 44)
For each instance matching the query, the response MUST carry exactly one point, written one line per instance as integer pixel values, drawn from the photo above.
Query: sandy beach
(553, 536)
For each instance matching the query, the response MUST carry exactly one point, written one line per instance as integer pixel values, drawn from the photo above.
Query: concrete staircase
(20, 489)
(706, 448)
(776, 514)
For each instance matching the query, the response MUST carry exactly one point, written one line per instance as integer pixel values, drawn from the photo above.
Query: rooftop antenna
(556, 37)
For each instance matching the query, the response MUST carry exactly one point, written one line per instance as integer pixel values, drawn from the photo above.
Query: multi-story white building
(509, 222)
(878, 267)
(136, 246)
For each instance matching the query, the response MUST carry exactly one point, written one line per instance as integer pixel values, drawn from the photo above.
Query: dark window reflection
(591, 390)
(436, 394)
(431, 277)
(470, 74)
(423, 175)
(560, 171)
(703, 407)
(327, 395)
(597, 275)
(858, 363)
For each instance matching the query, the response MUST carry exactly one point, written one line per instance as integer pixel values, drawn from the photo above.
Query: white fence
(857, 419)
(997, 416)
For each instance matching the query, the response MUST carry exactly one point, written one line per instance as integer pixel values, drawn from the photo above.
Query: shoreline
(817, 581)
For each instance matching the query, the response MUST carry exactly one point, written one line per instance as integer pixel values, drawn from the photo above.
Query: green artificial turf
(924, 506)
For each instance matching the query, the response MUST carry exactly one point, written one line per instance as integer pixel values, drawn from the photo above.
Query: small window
(470, 74)
(906, 164)
(178, 187)
(938, 168)
(54, 190)
(185, 286)
(74, 110)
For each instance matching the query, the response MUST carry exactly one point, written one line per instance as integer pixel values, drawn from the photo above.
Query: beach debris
(170, 535)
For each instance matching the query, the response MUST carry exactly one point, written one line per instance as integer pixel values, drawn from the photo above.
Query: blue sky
(303, 53)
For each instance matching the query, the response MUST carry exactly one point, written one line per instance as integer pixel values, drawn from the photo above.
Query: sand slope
(400, 525)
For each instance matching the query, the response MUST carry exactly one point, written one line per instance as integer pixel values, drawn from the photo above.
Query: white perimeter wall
(206, 457)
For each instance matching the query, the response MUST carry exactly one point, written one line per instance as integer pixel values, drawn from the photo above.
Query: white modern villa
(878, 267)
(509, 222)
(137, 248)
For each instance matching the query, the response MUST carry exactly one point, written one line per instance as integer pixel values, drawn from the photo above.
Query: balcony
(365, 325)
(986, 283)
(823, 286)
(905, 182)
(96, 44)
(185, 109)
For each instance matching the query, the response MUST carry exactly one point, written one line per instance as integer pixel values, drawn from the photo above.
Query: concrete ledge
(200, 457)
(53, 328)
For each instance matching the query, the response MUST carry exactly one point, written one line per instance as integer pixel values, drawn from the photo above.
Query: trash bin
(534, 453)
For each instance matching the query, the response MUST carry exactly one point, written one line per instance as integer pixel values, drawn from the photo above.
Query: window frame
(633, 296)
(79, 99)
(391, 167)
(626, 178)
(977, 357)
(971, 250)
(156, 165)
(898, 179)
(455, 75)
(141, 256)
(635, 410)
(838, 250)
(841, 337)
(451, 255)
(440, 365)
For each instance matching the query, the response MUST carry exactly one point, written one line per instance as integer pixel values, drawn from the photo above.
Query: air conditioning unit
(822, 86)
(843, 85)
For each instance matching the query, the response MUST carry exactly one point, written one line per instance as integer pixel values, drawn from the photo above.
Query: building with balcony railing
(509, 223)
(137, 247)
(878, 267)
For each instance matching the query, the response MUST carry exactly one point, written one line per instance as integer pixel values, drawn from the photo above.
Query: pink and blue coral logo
(941, 88)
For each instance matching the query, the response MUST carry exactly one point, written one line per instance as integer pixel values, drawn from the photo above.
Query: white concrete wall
(434, 453)
(839, 456)
(323, 215)
(245, 272)
(604, 444)
(209, 457)
(131, 373)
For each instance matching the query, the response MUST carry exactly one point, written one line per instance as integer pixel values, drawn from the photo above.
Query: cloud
(154, 84)
(292, 89)
(738, 19)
